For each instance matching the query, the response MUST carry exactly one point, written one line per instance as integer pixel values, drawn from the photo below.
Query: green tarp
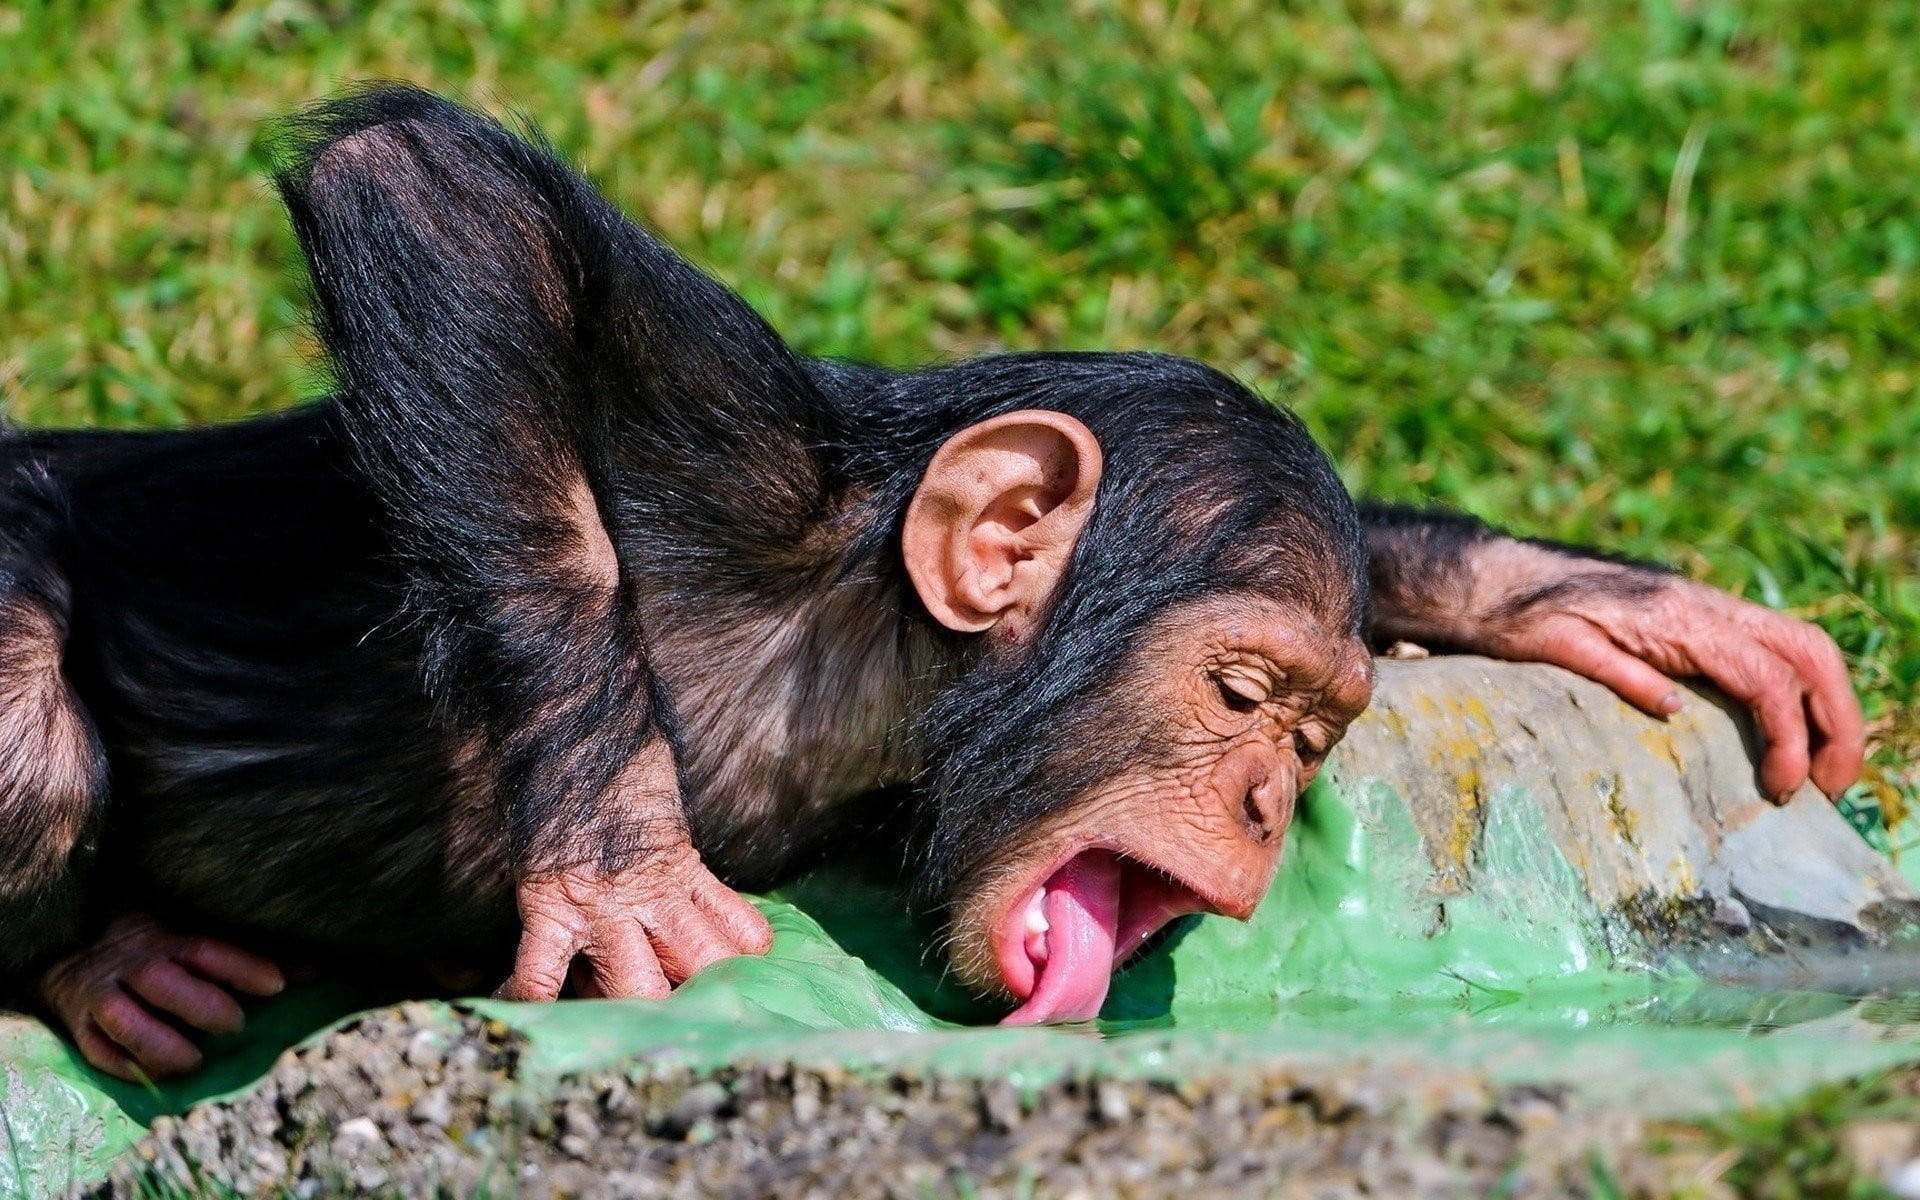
(1354, 954)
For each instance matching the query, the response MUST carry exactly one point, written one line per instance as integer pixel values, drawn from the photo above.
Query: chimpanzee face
(1153, 689)
(1223, 713)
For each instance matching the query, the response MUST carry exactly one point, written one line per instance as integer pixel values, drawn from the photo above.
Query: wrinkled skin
(634, 932)
(638, 928)
(125, 997)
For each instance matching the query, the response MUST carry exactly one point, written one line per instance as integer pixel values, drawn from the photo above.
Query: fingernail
(1671, 704)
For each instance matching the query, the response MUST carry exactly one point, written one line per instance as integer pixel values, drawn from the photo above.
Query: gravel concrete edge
(405, 1101)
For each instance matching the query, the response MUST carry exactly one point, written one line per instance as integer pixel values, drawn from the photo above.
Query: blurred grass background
(1640, 273)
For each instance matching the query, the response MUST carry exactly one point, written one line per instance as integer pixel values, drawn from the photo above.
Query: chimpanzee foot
(635, 932)
(125, 998)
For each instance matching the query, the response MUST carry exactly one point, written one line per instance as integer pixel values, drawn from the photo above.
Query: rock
(433, 1108)
(1662, 821)
(1905, 1182)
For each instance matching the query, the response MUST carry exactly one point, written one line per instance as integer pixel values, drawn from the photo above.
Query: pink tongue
(1083, 916)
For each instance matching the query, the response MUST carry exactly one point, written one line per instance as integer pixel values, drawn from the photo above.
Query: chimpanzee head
(1164, 584)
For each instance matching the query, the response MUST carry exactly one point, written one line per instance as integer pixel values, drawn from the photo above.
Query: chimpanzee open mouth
(1059, 945)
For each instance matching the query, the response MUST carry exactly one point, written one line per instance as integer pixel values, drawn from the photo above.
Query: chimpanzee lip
(1151, 896)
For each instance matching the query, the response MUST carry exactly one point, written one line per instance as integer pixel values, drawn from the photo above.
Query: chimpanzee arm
(1449, 581)
(492, 322)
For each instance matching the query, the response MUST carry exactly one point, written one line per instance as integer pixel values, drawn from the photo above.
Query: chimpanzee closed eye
(584, 600)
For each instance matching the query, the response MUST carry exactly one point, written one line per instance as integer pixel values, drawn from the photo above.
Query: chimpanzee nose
(1265, 807)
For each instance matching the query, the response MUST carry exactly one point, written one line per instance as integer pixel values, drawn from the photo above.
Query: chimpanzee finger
(99, 1049)
(739, 921)
(540, 964)
(1842, 751)
(1772, 691)
(166, 985)
(229, 964)
(155, 1046)
(1831, 704)
(1578, 646)
(624, 964)
(687, 942)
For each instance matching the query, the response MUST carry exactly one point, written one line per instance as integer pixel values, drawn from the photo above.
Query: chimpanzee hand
(1633, 640)
(637, 932)
(1448, 580)
(641, 920)
(125, 997)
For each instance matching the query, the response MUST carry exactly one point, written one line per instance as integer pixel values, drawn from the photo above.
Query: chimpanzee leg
(53, 796)
(53, 780)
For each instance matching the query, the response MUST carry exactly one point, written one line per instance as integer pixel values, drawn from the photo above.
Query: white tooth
(1036, 916)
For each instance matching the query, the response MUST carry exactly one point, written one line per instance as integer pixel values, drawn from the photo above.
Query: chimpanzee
(584, 600)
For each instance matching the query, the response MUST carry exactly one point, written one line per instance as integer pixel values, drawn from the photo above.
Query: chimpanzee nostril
(1258, 824)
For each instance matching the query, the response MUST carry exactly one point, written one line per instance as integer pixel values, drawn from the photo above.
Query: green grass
(1639, 274)
(1806, 1149)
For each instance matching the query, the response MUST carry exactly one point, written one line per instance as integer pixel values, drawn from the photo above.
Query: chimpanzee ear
(993, 524)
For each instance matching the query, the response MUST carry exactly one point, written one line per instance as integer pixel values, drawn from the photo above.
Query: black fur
(350, 667)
